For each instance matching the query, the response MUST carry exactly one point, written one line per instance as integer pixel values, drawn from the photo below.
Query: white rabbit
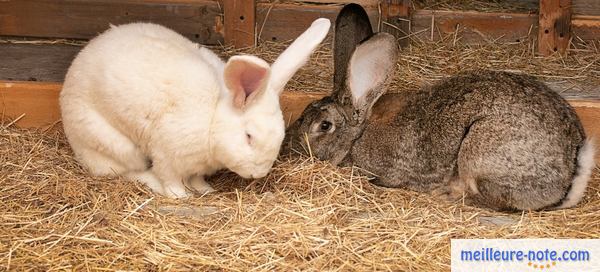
(146, 103)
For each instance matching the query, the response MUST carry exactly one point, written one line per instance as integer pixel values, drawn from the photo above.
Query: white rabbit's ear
(246, 78)
(298, 53)
(372, 63)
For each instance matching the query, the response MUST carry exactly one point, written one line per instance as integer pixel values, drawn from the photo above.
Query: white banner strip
(525, 255)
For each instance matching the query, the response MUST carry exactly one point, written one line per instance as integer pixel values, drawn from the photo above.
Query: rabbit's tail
(585, 166)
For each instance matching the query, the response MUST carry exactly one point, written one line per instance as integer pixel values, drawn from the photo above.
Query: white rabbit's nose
(255, 176)
(261, 174)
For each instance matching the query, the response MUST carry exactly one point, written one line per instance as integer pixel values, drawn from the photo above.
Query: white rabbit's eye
(249, 138)
(325, 126)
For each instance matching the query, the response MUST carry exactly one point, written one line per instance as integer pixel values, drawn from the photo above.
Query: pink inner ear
(251, 78)
(244, 78)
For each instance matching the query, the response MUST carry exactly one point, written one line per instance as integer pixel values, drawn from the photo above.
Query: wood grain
(240, 22)
(554, 26)
(586, 7)
(473, 27)
(84, 19)
(585, 27)
(34, 103)
(364, 3)
(396, 15)
(31, 62)
(284, 22)
(202, 20)
(589, 114)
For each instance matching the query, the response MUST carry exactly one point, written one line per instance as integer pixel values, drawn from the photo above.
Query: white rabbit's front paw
(175, 191)
(149, 179)
(200, 185)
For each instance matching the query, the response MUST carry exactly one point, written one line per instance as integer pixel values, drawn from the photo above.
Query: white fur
(141, 91)
(585, 166)
(298, 53)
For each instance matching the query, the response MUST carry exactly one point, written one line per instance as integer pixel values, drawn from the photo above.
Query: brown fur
(510, 134)
(516, 138)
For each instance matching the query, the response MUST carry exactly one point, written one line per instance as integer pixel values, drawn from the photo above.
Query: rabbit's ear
(352, 26)
(297, 54)
(245, 77)
(370, 67)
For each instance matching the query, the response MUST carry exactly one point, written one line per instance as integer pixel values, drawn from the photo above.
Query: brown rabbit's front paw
(447, 193)
(381, 182)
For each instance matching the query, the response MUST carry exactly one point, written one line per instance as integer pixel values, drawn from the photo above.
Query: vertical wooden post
(239, 22)
(396, 13)
(554, 26)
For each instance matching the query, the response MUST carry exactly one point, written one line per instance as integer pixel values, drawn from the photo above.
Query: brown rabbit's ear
(352, 26)
(371, 65)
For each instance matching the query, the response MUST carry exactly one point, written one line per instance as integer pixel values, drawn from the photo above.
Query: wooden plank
(586, 27)
(198, 20)
(473, 27)
(589, 114)
(33, 62)
(284, 22)
(554, 26)
(516, 6)
(37, 103)
(293, 104)
(201, 20)
(586, 7)
(364, 3)
(240, 22)
(34, 104)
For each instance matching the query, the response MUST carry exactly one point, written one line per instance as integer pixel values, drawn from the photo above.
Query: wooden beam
(240, 22)
(364, 3)
(584, 27)
(31, 104)
(202, 20)
(586, 7)
(396, 15)
(589, 114)
(34, 62)
(199, 20)
(473, 27)
(284, 22)
(36, 103)
(554, 26)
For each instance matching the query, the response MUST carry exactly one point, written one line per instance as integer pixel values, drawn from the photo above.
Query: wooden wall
(34, 104)
(586, 7)
(202, 20)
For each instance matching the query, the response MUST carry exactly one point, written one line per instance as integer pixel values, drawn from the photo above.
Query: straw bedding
(479, 5)
(305, 215)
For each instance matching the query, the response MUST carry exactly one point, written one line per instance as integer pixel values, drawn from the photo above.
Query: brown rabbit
(503, 141)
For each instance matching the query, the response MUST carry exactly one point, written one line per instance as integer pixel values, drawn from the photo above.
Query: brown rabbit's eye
(325, 126)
